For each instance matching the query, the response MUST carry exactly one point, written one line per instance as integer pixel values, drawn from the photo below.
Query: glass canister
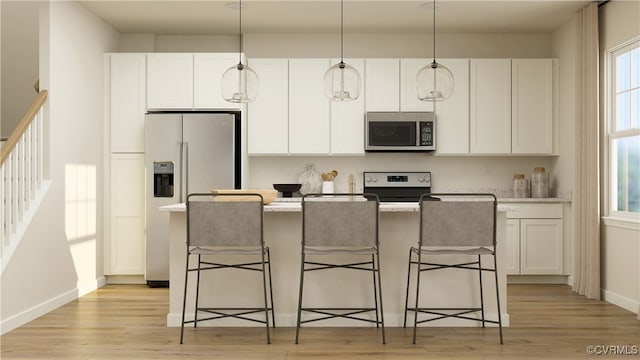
(539, 183)
(520, 186)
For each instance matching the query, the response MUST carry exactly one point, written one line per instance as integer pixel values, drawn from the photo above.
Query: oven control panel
(397, 179)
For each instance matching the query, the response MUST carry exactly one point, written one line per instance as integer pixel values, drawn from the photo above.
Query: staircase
(23, 177)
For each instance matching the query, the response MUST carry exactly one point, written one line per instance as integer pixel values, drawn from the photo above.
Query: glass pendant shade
(434, 82)
(239, 84)
(342, 82)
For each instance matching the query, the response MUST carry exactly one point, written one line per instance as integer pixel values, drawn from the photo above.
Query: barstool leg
(273, 309)
(266, 304)
(375, 292)
(300, 296)
(481, 293)
(384, 338)
(184, 298)
(195, 313)
(406, 297)
(495, 271)
(415, 319)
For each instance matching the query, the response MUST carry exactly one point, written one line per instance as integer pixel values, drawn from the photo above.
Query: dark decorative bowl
(287, 190)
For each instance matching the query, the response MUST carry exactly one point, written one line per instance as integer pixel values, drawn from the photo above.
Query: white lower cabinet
(126, 242)
(534, 240)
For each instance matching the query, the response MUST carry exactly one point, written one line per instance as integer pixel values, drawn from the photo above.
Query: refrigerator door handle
(185, 170)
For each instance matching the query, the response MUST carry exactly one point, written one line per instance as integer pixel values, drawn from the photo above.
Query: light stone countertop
(295, 206)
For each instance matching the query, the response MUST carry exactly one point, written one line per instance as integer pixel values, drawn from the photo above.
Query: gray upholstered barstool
(341, 224)
(226, 225)
(454, 224)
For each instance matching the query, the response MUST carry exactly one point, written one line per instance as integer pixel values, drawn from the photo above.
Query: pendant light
(239, 83)
(342, 81)
(434, 82)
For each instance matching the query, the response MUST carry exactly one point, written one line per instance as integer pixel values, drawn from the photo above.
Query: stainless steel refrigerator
(184, 153)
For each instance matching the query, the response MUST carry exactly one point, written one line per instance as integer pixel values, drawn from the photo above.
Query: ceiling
(218, 17)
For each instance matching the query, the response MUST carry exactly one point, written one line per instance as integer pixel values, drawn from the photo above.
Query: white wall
(19, 42)
(620, 242)
(60, 256)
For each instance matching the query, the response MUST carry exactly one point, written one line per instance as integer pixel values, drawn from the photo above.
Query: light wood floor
(128, 322)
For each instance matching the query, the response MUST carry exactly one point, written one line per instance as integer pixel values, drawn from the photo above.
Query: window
(624, 130)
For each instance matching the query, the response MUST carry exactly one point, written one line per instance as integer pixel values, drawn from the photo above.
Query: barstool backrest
(458, 220)
(212, 222)
(343, 220)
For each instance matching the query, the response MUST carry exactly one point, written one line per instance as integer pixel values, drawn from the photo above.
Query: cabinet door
(268, 115)
(532, 102)
(512, 259)
(382, 84)
(541, 246)
(126, 243)
(308, 107)
(490, 104)
(452, 115)
(127, 89)
(207, 73)
(169, 81)
(408, 95)
(347, 120)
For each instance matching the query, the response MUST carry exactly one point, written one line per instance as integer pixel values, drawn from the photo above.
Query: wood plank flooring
(128, 322)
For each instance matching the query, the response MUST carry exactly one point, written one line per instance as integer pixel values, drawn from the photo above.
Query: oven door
(392, 135)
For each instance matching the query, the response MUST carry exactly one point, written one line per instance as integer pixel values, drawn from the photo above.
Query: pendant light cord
(240, 33)
(434, 31)
(342, 31)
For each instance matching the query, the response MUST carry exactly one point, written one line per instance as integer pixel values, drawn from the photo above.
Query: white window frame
(611, 134)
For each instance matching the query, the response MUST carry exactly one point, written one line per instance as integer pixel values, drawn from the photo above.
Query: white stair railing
(21, 176)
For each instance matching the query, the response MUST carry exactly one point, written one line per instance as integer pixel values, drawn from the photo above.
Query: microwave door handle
(418, 132)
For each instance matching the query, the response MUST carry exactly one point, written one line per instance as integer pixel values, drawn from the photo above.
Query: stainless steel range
(397, 186)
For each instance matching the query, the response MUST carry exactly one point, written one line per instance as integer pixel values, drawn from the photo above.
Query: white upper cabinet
(408, 94)
(268, 115)
(452, 115)
(347, 119)
(170, 81)
(127, 107)
(208, 69)
(490, 106)
(382, 81)
(308, 107)
(532, 102)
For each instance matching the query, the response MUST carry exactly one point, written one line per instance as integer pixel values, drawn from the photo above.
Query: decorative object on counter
(327, 181)
(268, 195)
(239, 84)
(342, 81)
(329, 176)
(520, 186)
(310, 180)
(351, 181)
(434, 82)
(287, 190)
(539, 183)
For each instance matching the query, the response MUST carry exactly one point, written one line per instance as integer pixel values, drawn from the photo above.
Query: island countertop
(295, 206)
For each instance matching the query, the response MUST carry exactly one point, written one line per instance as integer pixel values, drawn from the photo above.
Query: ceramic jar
(539, 183)
(520, 186)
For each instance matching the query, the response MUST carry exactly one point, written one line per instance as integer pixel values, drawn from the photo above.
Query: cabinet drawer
(536, 211)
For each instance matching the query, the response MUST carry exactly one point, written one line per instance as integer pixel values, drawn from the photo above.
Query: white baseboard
(34, 312)
(620, 300)
(125, 279)
(539, 279)
(289, 320)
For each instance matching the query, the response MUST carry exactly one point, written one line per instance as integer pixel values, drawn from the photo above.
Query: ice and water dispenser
(163, 179)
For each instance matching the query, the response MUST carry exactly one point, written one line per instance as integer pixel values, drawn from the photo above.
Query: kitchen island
(283, 231)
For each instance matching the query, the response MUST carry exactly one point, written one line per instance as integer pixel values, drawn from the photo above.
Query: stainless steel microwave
(400, 131)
